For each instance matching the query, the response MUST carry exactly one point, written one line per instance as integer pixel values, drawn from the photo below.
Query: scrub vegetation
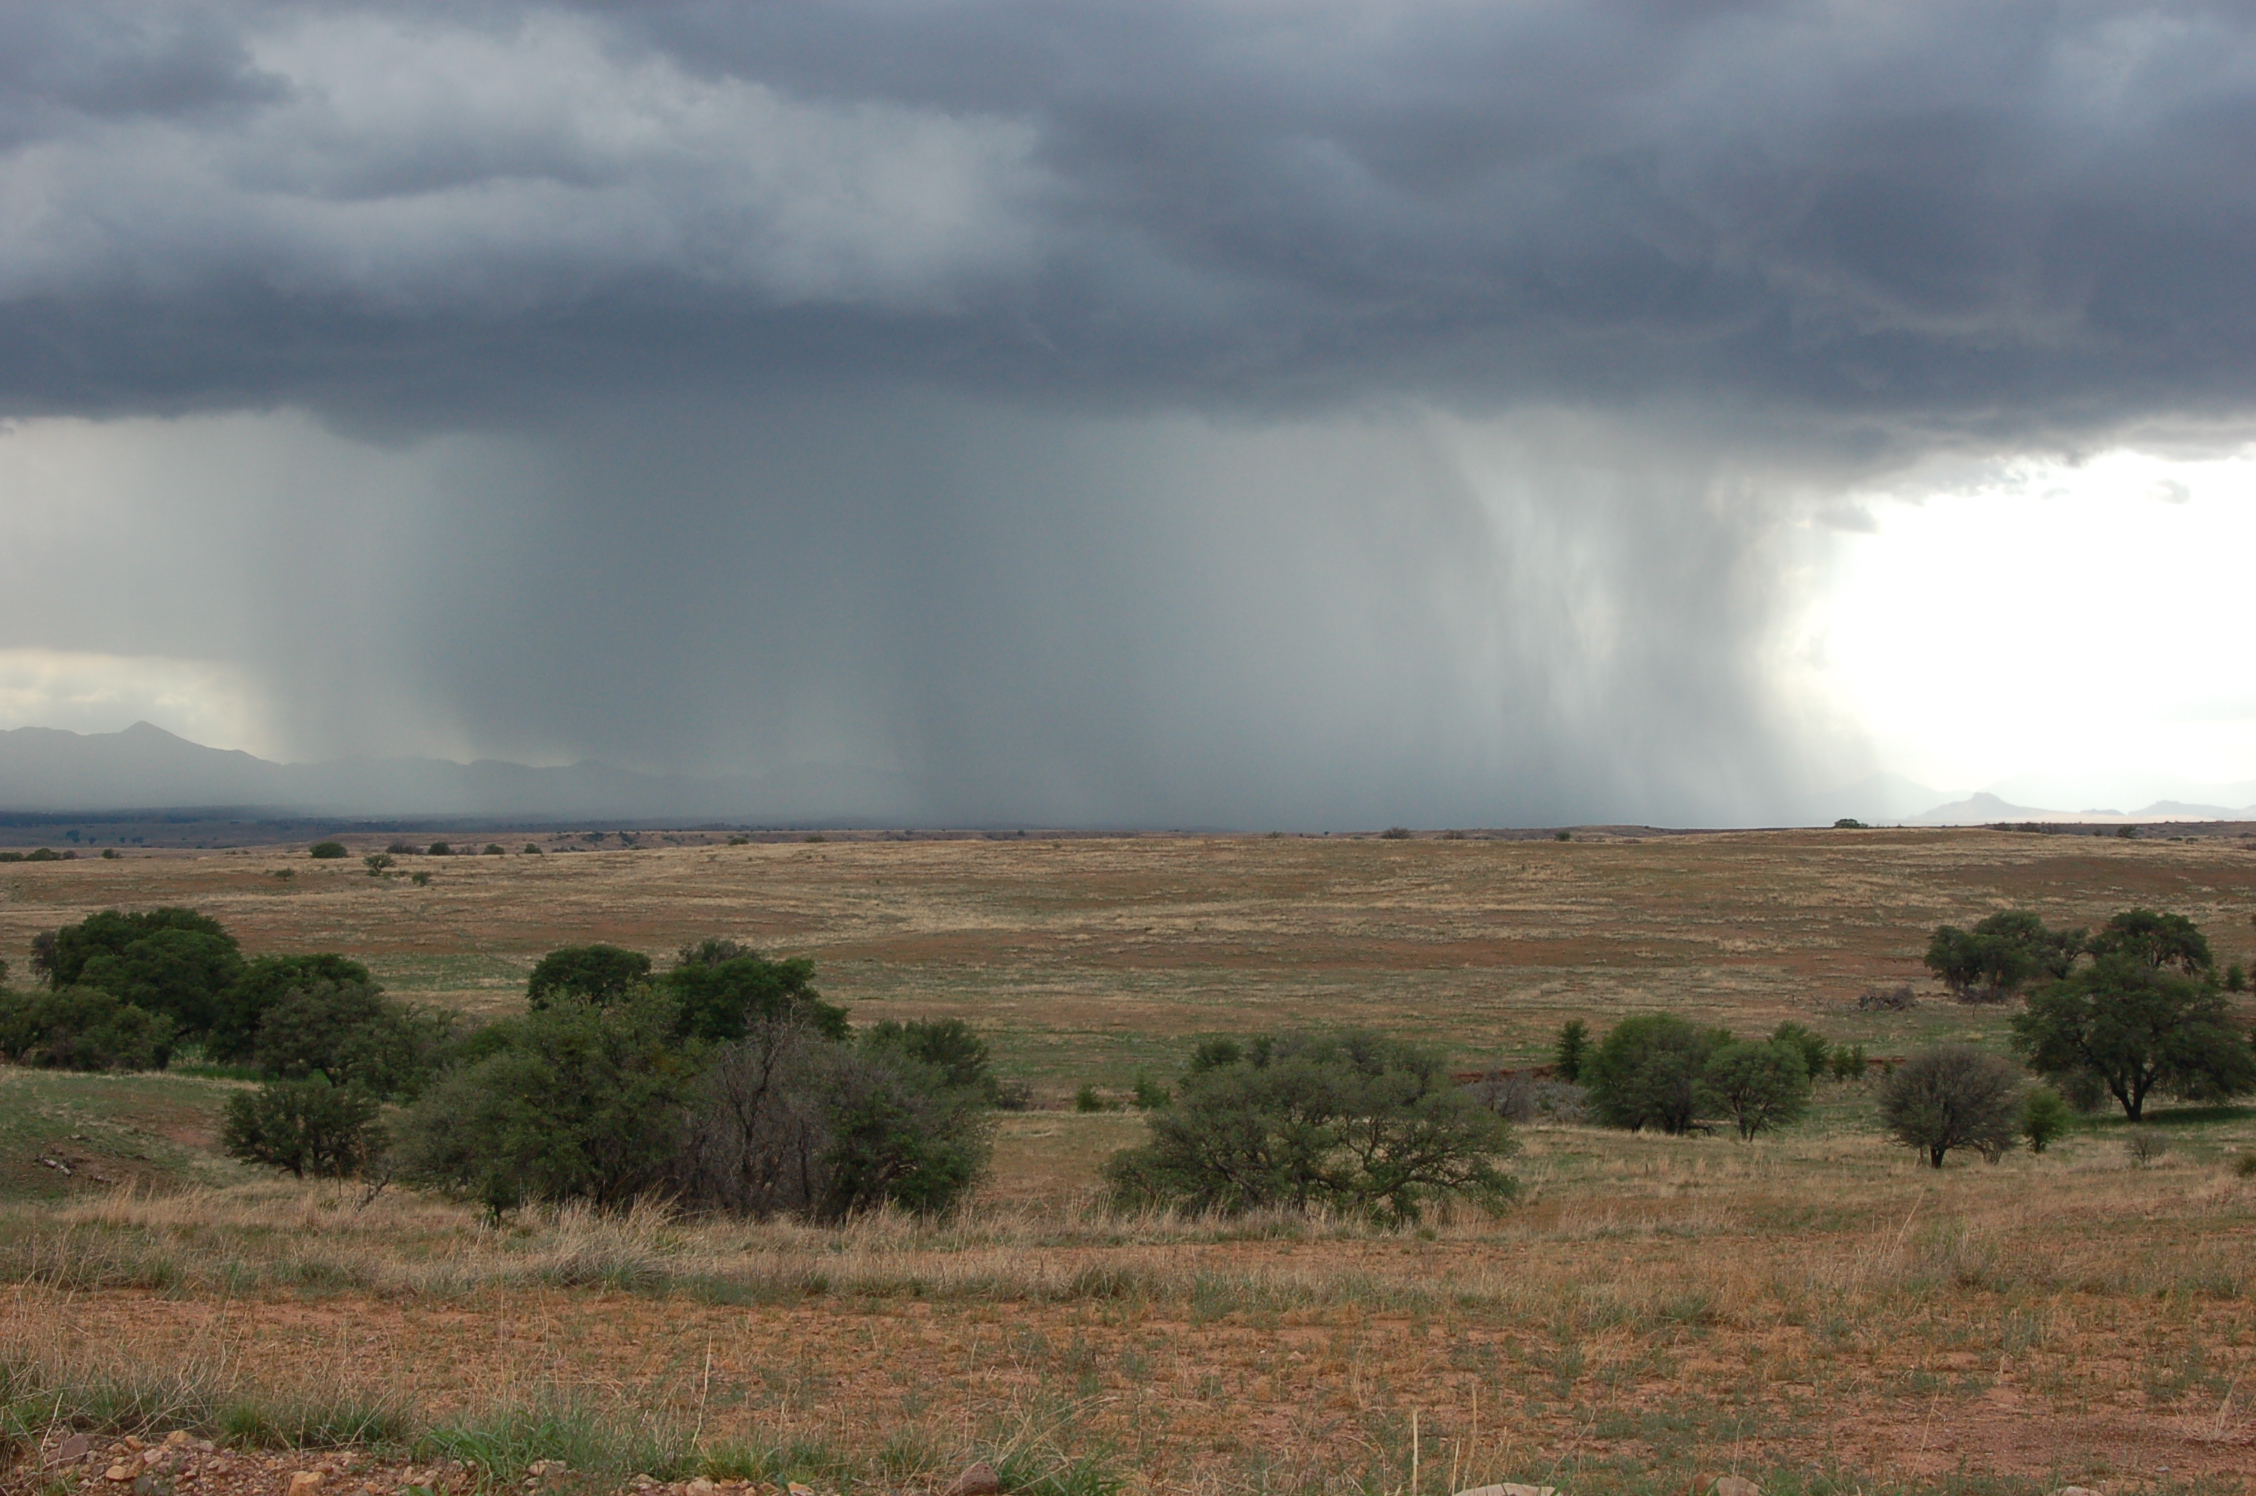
(1357, 1195)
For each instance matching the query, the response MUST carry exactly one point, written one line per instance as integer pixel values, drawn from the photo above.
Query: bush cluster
(725, 1083)
(1357, 1123)
(2130, 1011)
(1664, 1072)
(1954, 1096)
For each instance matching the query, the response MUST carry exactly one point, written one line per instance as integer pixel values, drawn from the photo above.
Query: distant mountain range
(1982, 809)
(146, 768)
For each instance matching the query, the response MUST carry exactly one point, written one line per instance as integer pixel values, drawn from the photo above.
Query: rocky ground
(182, 1465)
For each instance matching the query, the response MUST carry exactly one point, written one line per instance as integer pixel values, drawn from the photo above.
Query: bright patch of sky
(203, 700)
(2078, 631)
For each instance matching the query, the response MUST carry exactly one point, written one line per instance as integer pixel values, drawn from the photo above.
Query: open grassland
(1813, 1309)
(1085, 960)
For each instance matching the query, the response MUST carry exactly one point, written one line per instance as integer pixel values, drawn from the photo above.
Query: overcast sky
(1226, 414)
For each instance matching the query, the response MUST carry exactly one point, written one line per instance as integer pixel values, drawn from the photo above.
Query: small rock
(133, 1443)
(178, 1439)
(797, 1489)
(120, 1473)
(1733, 1485)
(547, 1467)
(2075, 1491)
(979, 1479)
(305, 1483)
(642, 1482)
(701, 1487)
(71, 1450)
(1511, 1488)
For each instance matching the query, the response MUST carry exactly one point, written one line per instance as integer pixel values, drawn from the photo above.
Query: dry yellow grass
(1815, 1302)
(1089, 959)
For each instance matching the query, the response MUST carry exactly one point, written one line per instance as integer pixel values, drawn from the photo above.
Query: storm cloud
(1240, 414)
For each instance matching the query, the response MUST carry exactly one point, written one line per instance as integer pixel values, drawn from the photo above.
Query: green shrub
(351, 1034)
(1647, 1071)
(1087, 1100)
(570, 1102)
(2044, 1117)
(897, 1133)
(376, 863)
(1572, 1050)
(265, 981)
(948, 1045)
(327, 850)
(82, 1028)
(1848, 1062)
(1953, 1096)
(599, 974)
(2236, 978)
(1816, 1053)
(304, 1127)
(494, 849)
(2244, 1164)
(2001, 955)
(1759, 1085)
(183, 975)
(1356, 1122)
(173, 962)
(787, 1121)
(720, 1001)
(1149, 1095)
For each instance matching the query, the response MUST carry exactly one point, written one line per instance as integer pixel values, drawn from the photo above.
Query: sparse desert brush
(2145, 1146)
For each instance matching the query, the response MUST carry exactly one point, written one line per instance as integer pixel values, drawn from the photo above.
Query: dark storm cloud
(2002, 216)
(1221, 413)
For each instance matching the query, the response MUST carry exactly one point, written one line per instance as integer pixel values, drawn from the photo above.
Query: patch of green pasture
(103, 1126)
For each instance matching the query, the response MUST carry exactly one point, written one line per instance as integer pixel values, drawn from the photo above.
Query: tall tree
(2001, 955)
(2157, 940)
(2139, 1027)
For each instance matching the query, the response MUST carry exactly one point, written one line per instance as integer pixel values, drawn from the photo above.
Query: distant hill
(1981, 808)
(1984, 808)
(144, 768)
(1882, 800)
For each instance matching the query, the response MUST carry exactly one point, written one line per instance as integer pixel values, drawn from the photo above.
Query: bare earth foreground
(1814, 1311)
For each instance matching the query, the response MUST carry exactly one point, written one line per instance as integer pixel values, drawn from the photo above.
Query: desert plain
(1814, 1310)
